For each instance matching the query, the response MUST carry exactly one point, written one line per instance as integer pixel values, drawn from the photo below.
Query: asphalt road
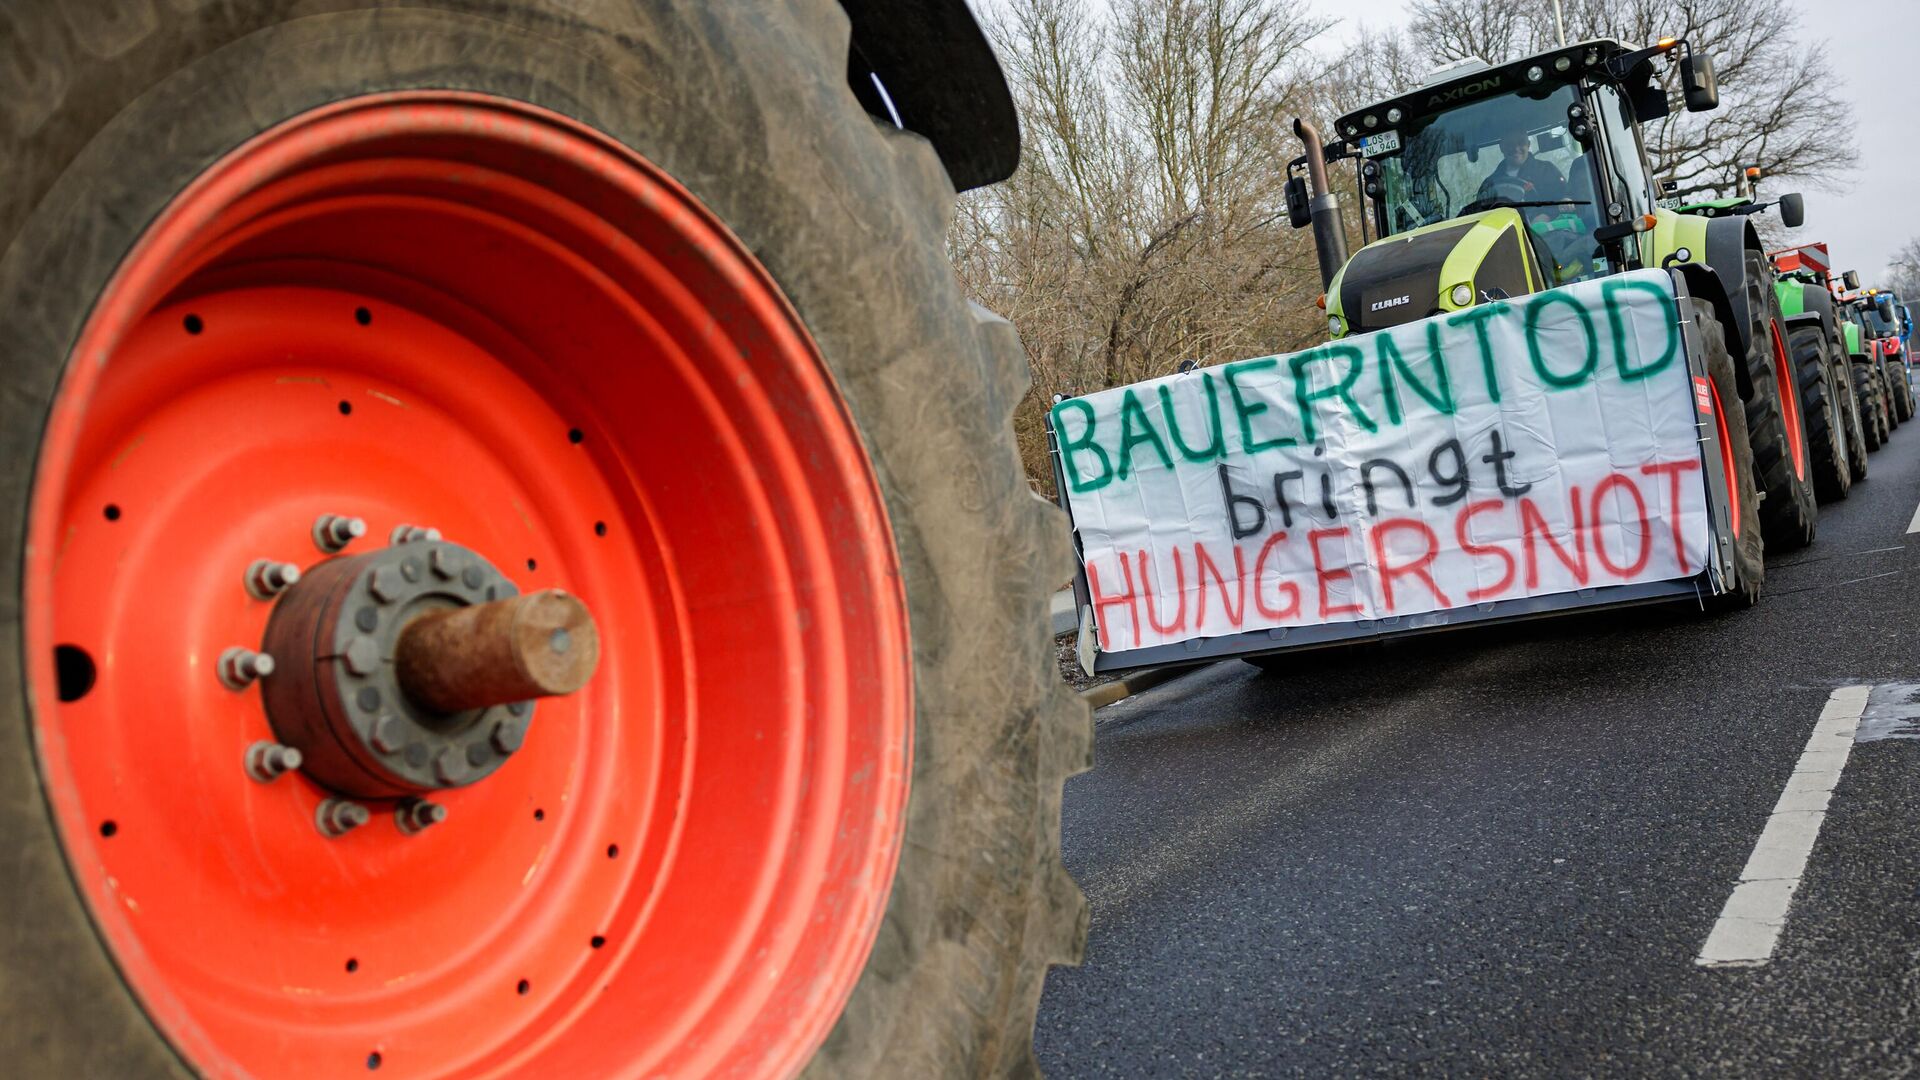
(1502, 852)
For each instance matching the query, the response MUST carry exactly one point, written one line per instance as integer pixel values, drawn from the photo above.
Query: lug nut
(333, 532)
(385, 584)
(337, 817)
(388, 735)
(451, 767)
(362, 655)
(267, 579)
(412, 815)
(239, 667)
(407, 534)
(268, 761)
(508, 735)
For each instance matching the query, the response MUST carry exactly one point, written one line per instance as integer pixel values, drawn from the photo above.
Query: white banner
(1539, 445)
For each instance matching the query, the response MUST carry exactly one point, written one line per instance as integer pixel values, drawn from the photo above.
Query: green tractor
(1874, 340)
(1807, 283)
(1489, 182)
(1829, 407)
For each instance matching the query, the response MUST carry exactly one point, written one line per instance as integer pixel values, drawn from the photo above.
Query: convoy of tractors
(516, 564)
(1525, 284)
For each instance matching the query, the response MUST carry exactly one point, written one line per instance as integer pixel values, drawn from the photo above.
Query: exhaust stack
(1329, 237)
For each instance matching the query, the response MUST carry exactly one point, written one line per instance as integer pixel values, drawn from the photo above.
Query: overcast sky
(1875, 214)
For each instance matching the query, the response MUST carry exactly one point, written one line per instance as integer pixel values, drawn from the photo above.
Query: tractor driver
(1521, 177)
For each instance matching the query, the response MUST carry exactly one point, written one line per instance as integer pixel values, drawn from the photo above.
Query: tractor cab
(1489, 181)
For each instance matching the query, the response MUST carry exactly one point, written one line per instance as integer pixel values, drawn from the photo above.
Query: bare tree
(1903, 272)
(1778, 105)
(1492, 30)
(1146, 223)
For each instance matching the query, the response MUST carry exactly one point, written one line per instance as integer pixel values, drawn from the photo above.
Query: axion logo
(1394, 302)
(1464, 90)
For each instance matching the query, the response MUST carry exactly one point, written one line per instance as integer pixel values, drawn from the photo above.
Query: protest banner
(1543, 444)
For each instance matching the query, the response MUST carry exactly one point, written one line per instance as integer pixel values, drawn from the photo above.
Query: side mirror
(1851, 279)
(1697, 84)
(1884, 305)
(1793, 210)
(1298, 215)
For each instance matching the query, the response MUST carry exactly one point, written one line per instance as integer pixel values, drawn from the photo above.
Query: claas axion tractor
(1487, 183)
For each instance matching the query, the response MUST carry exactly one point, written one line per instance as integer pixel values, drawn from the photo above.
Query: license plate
(1384, 143)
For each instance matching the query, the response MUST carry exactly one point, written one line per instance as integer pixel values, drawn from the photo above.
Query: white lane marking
(1914, 525)
(1749, 926)
(1869, 577)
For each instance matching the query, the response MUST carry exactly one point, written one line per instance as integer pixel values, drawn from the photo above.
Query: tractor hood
(1412, 275)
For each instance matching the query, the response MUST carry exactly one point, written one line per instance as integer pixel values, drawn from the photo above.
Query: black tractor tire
(1883, 396)
(1868, 398)
(1825, 424)
(1903, 388)
(1890, 389)
(749, 107)
(1848, 387)
(1749, 544)
(1788, 512)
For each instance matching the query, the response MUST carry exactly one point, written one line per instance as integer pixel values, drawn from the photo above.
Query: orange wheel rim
(1726, 457)
(1789, 402)
(461, 311)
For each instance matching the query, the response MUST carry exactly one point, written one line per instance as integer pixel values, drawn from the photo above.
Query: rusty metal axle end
(539, 645)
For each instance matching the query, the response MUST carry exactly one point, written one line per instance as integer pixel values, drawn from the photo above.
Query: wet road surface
(1503, 851)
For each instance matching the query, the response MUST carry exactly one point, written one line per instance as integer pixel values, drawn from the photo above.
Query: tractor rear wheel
(1903, 388)
(1775, 417)
(630, 301)
(1867, 394)
(1826, 427)
(1890, 391)
(1736, 461)
(1846, 380)
(1883, 395)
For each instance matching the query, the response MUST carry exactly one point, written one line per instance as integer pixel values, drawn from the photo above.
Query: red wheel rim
(1726, 457)
(465, 312)
(1789, 401)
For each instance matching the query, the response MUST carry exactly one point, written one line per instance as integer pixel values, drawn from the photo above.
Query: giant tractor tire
(1736, 460)
(1775, 417)
(1866, 392)
(1876, 402)
(1824, 413)
(1903, 388)
(1883, 390)
(1846, 380)
(1890, 389)
(631, 301)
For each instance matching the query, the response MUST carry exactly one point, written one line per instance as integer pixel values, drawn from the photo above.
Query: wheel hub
(411, 669)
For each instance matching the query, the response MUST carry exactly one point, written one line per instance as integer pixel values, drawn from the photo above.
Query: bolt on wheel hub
(412, 669)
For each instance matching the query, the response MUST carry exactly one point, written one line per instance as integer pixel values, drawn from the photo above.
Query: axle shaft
(527, 647)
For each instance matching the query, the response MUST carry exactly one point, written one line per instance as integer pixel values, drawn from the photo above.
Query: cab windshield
(1503, 150)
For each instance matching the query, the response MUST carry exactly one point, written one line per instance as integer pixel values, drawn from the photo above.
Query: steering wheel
(1496, 193)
